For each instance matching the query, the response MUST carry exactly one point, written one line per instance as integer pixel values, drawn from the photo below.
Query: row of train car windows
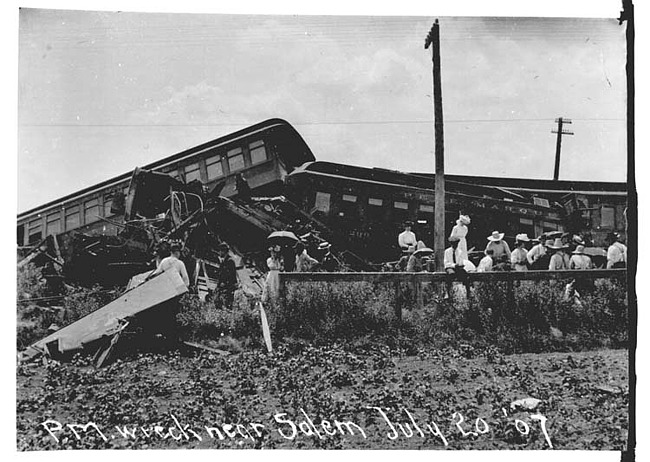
(214, 165)
(323, 201)
(92, 211)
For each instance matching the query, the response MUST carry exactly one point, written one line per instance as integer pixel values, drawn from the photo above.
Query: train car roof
(507, 185)
(299, 157)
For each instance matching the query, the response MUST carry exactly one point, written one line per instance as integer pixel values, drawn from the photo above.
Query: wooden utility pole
(439, 218)
(561, 121)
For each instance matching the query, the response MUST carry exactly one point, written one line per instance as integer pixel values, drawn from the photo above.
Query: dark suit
(226, 283)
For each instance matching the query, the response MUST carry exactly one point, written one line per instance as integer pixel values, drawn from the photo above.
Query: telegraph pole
(433, 38)
(561, 121)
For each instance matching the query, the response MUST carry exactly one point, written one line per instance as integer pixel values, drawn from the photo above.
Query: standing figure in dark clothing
(289, 258)
(226, 279)
(329, 263)
(243, 189)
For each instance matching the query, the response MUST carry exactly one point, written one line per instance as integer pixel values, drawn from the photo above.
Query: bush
(227, 329)
(34, 320)
(30, 283)
(535, 318)
(81, 301)
(324, 312)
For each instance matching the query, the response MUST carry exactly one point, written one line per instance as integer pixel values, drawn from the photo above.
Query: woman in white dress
(460, 231)
(275, 264)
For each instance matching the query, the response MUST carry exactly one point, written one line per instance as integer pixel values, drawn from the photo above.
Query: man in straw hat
(329, 262)
(557, 261)
(536, 253)
(501, 250)
(580, 261)
(519, 256)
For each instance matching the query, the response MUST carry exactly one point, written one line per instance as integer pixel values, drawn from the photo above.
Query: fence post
(510, 296)
(398, 300)
(281, 291)
(417, 284)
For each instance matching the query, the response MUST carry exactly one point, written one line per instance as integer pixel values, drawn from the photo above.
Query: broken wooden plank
(105, 320)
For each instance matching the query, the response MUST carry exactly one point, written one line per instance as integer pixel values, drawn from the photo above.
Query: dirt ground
(327, 397)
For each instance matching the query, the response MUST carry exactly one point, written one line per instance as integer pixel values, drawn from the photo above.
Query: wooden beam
(496, 276)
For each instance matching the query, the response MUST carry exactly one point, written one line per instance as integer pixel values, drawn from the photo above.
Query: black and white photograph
(284, 230)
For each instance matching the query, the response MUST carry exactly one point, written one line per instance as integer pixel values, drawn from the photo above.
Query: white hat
(496, 236)
(578, 240)
(523, 237)
(558, 245)
(580, 250)
(464, 219)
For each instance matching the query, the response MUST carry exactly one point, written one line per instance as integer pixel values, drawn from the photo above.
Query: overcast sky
(100, 93)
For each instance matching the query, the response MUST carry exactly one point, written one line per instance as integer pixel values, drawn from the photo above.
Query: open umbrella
(595, 252)
(424, 251)
(282, 238)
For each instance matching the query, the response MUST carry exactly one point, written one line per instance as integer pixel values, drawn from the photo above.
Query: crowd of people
(550, 251)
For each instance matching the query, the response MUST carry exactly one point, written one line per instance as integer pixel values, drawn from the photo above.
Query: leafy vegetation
(341, 355)
(584, 397)
(536, 318)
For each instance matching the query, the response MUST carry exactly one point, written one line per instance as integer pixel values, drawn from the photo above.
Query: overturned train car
(367, 206)
(105, 233)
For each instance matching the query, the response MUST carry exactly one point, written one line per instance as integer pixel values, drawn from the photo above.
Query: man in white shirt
(164, 322)
(173, 263)
(454, 266)
(406, 239)
(578, 260)
(536, 252)
(519, 256)
(616, 253)
(557, 261)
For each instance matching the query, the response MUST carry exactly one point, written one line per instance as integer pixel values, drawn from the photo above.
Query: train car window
(258, 152)
(548, 226)
(607, 217)
(401, 205)
(349, 198)
(322, 203)
(72, 218)
(35, 232)
(192, 173)
(108, 202)
(373, 201)
(214, 167)
(91, 211)
(426, 208)
(53, 223)
(173, 173)
(526, 226)
(541, 202)
(235, 159)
